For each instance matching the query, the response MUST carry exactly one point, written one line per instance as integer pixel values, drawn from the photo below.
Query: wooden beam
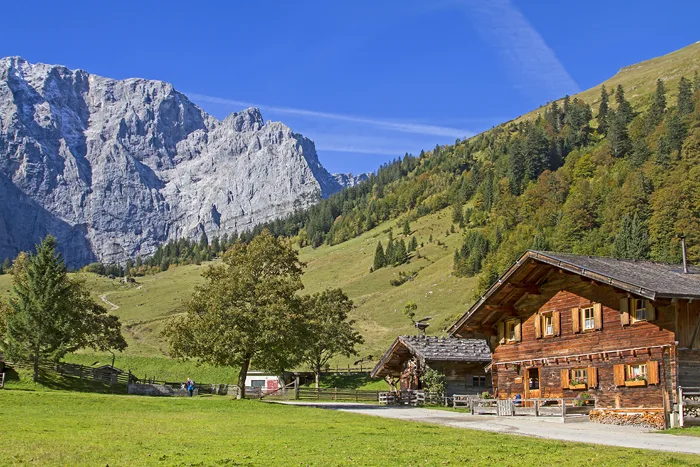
(503, 309)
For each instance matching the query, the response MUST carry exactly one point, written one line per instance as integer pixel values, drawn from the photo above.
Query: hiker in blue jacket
(190, 387)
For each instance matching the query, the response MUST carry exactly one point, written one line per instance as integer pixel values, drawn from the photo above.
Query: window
(588, 315)
(510, 330)
(479, 381)
(548, 324)
(637, 372)
(257, 383)
(639, 309)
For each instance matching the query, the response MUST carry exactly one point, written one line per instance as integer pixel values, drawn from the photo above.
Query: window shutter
(502, 332)
(519, 331)
(619, 371)
(651, 311)
(565, 379)
(625, 311)
(598, 315)
(538, 325)
(556, 321)
(576, 319)
(653, 372)
(592, 377)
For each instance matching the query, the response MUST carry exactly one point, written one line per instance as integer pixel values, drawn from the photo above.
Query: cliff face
(113, 168)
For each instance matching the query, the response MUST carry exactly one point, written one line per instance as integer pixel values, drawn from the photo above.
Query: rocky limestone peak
(113, 168)
(248, 119)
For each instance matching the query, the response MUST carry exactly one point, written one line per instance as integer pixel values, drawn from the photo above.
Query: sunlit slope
(146, 306)
(639, 80)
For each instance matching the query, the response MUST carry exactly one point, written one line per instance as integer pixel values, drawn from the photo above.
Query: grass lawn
(687, 431)
(63, 428)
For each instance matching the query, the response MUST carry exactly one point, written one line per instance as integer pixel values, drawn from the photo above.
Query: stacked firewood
(646, 419)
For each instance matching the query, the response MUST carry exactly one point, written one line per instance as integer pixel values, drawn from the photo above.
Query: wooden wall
(562, 293)
(689, 368)
(458, 377)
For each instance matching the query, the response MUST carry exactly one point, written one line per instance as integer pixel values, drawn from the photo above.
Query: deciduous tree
(329, 333)
(247, 311)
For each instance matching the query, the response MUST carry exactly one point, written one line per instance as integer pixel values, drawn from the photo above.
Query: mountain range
(113, 168)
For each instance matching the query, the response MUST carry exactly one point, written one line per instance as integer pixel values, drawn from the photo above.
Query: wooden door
(532, 383)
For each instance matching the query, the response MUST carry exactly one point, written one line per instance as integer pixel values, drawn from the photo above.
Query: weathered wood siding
(459, 377)
(689, 368)
(562, 293)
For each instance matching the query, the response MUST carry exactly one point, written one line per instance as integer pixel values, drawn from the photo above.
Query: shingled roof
(660, 279)
(642, 278)
(434, 349)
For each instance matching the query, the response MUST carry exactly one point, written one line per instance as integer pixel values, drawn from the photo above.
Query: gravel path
(596, 433)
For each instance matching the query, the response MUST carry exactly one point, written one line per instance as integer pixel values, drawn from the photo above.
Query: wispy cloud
(404, 127)
(534, 62)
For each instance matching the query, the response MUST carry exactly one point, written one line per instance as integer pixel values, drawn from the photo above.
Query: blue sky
(366, 80)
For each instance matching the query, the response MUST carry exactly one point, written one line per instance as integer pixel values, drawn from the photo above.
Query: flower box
(636, 383)
(577, 387)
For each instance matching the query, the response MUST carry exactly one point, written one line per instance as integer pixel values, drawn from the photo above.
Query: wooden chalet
(462, 361)
(624, 331)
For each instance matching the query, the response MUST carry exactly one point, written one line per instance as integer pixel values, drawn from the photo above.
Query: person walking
(190, 387)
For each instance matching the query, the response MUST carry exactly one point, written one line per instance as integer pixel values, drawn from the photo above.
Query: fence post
(563, 409)
(296, 388)
(681, 421)
(537, 408)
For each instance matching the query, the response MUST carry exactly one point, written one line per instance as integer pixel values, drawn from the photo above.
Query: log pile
(642, 418)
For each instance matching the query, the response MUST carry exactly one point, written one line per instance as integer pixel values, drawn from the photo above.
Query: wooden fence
(542, 407)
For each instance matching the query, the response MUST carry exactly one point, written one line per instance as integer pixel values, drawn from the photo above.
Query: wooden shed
(462, 361)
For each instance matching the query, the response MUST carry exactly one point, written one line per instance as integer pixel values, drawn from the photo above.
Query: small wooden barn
(462, 361)
(626, 332)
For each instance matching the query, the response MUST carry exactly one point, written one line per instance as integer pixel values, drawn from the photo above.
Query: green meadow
(80, 429)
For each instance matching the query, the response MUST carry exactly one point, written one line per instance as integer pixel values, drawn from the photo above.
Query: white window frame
(548, 328)
(639, 310)
(588, 323)
(510, 330)
(636, 369)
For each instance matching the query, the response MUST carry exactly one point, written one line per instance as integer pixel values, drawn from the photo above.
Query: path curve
(103, 297)
(595, 433)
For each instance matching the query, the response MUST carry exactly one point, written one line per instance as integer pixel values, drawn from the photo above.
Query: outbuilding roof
(433, 349)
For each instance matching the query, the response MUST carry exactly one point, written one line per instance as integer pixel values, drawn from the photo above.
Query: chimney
(685, 255)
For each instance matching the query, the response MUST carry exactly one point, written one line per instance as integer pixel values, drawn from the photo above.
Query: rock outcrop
(114, 168)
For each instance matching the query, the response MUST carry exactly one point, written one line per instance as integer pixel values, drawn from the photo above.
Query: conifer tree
(676, 132)
(658, 105)
(49, 315)
(603, 111)
(215, 245)
(413, 244)
(400, 253)
(685, 97)
(457, 213)
(379, 258)
(390, 252)
(632, 241)
(203, 242)
(617, 134)
(406, 228)
(662, 155)
(624, 108)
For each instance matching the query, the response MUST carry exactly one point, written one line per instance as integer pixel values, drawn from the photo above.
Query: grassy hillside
(639, 79)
